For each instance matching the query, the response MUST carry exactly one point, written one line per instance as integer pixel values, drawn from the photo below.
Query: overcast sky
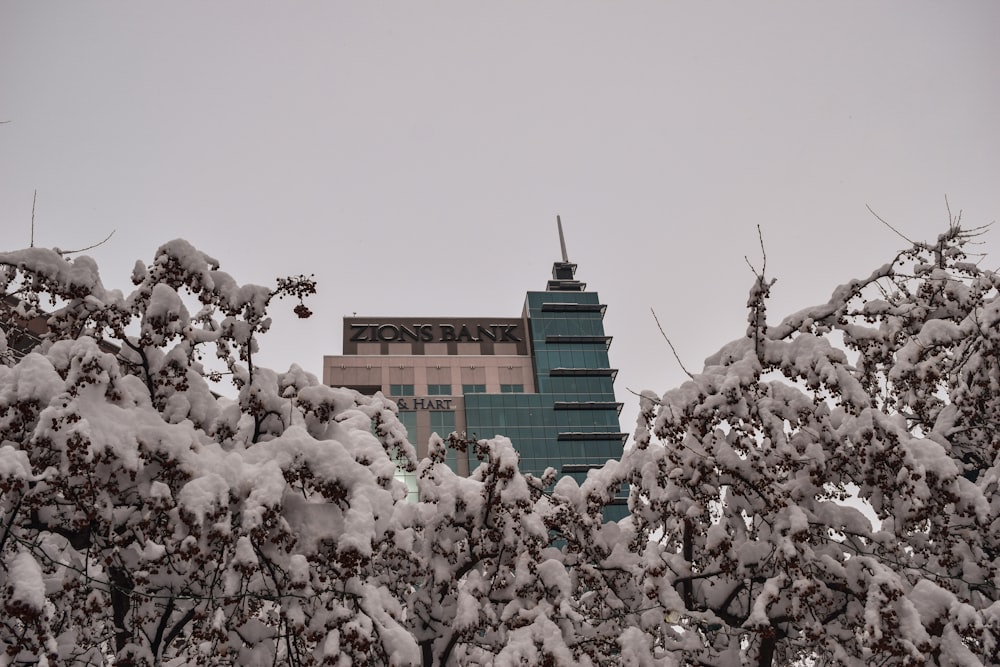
(414, 155)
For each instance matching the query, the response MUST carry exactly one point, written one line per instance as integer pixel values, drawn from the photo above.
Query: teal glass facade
(572, 422)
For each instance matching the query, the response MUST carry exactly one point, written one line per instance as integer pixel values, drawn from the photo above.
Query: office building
(542, 379)
(21, 335)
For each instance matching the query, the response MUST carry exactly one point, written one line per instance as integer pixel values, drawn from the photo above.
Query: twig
(672, 348)
(640, 394)
(954, 221)
(34, 200)
(898, 233)
(763, 254)
(66, 252)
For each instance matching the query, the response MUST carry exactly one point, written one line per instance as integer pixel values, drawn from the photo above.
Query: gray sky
(414, 155)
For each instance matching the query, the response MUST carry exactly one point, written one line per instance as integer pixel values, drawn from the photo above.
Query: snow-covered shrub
(825, 490)
(145, 520)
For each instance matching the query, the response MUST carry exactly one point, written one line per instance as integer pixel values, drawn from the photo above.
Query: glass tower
(542, 379)
(571, 423)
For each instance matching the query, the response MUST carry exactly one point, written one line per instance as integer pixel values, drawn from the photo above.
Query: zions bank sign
(419, 331)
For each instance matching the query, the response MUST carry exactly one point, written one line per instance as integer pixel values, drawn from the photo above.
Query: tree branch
(672, 348)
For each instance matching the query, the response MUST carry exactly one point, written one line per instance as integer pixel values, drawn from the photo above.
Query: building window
(512, 389)
(439, 390)
(473, 388)
(443, 423)
(401, 390)
(409, 478)
(409, 421)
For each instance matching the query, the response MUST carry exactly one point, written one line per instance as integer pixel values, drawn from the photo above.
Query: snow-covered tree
(145, 520)
(517, 575)
(825, 490)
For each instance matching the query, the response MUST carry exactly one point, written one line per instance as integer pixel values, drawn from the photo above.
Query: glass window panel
(409, 478)
(443, 423)
(409, 420)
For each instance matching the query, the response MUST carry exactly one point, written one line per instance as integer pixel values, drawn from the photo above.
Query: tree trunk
(767, 645)
(121, 587)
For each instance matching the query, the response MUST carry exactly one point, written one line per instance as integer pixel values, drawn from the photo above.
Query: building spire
(562, 241)
(564, 272)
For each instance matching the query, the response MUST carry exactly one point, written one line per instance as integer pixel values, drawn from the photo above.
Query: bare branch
(953, 221)
(34, 200)
(763, 254)
(642, 395)
(106, 238)
(898, 233)
(672, 348)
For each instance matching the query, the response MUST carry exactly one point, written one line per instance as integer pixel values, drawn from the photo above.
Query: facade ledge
(574, 308)
(584, 372)
(591, 435)
(565, 286)
(606, 340)
(588, 405)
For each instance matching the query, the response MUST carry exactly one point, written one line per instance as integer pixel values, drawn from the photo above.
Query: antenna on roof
(33, 200)
(562, 240)
(563, 272)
